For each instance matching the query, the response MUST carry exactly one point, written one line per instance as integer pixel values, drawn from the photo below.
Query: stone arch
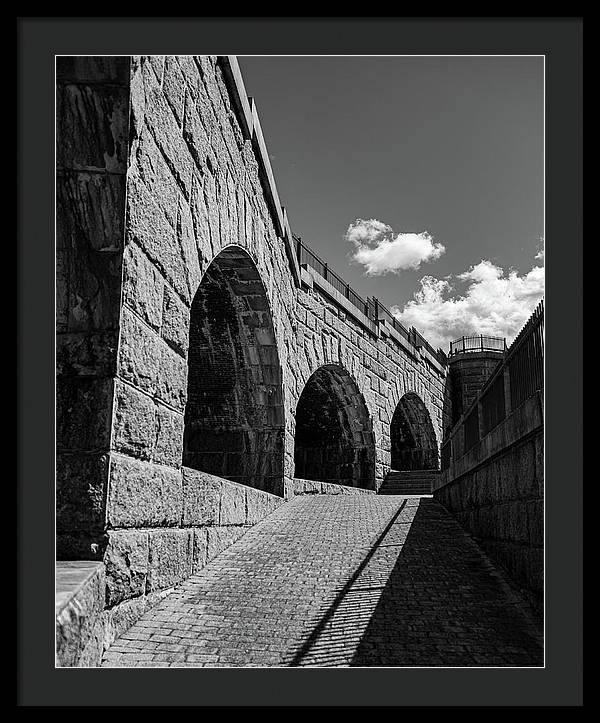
(234, 425)
(334, 439)
(412, 435)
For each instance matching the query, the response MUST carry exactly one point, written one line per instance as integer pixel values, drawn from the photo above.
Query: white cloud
(382, 252)
(493, 302)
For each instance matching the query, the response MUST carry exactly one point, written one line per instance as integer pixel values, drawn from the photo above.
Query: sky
(418, 179)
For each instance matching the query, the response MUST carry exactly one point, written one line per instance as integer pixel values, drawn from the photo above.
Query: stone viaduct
(208, 365)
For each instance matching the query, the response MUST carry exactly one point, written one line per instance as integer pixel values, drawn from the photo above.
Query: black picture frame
(560, 682)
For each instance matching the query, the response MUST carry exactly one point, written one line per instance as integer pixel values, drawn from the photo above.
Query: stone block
(126, 562)
(201, 498)
(168, 448)
(164, 127)
(94, 289)
(175, 322)
(92, 127)
(90, 210)
(174, 87)
(83, 413)
(81, 481)
(143, 494)
(148, 227)
(260, 505)
(171, 382)
(142, 286)
(170, 558)
(92, 354)
(199, 557)
(149, 165)
(79, 621)
(134, 424)
(139, 353)
(232, 509)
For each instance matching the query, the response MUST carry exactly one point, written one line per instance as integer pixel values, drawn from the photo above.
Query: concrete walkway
(340, 581)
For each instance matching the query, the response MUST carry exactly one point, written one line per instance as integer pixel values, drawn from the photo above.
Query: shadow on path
(425, 595)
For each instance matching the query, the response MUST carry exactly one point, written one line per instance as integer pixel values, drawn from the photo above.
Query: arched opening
(414, 445)
(234, 417)
(334, 435)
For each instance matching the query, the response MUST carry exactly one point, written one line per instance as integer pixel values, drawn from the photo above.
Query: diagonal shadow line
(313, 637)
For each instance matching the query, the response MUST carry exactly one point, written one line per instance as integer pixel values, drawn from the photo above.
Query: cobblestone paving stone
(340, 581)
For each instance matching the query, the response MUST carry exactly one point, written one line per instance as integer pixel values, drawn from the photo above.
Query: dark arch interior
(414, 445)
(234, 418)
(334, 437)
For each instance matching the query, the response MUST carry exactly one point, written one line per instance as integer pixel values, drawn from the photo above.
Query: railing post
(325, 271)
(347, 291)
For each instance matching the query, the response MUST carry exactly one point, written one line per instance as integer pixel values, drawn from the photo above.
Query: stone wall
(185, 216)
(92, 105)
(496, 491)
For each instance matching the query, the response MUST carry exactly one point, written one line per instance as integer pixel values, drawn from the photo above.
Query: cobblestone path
(359, 580)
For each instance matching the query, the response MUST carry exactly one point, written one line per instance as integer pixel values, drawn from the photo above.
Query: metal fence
(525, 359)
(371, 308)
(477, 343)
(385, 314)
(308, 257)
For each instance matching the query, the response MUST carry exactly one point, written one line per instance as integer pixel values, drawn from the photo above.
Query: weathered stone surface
(81, 481)
(171, 381)
(149, 165)
(126, 562)
(90, 354)
(142, 286)
(175, 327)
(142, 494)
(148, 227)
(162, 122)
(112, 69)
(92, 127)
(91, 209)
(201, 498)
(139, 353)
(79, 618)
(94, 289)
(134, 422)
(501, 503)
(232, 510)
(174, 87)
(170, 558)
(84, 409)
(169, 436)
(199, 556)
(259, 505)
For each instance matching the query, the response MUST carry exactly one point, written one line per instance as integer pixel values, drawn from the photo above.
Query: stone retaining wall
(496, 491)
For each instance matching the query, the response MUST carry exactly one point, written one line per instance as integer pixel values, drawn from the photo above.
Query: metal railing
(372, 308)
(306, 256)
(525, 359)
(480, 342)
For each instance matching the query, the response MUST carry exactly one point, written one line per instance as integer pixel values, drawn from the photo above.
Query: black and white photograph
(299, 370)
(307, 434)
